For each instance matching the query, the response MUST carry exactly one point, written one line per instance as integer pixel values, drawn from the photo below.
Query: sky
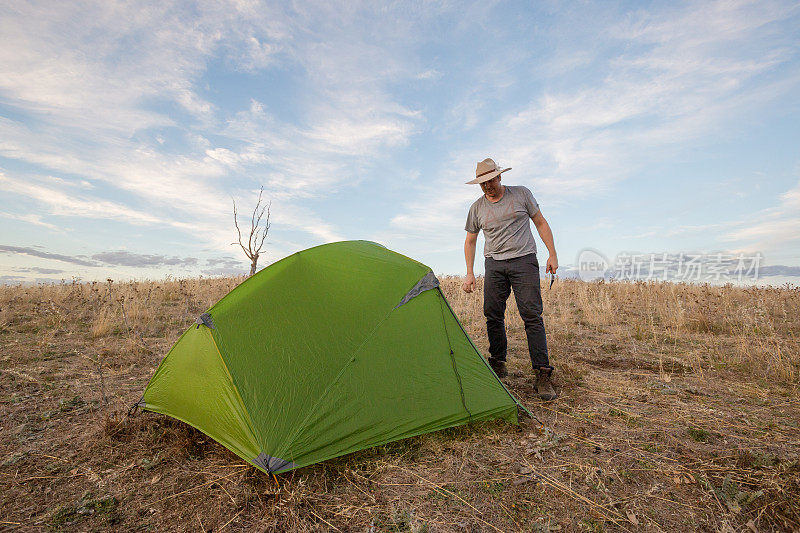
(127, 129)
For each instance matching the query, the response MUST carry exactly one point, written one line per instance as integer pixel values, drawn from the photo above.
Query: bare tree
(258, 232)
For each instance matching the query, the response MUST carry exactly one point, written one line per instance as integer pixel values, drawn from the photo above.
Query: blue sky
(127, 128)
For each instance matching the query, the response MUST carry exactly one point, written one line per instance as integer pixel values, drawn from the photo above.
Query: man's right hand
(469, 283)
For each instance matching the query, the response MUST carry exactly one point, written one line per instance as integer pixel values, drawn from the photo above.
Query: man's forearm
(547, 237)
(469, 256)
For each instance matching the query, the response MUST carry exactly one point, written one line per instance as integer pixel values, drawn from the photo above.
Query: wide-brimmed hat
(487, 170)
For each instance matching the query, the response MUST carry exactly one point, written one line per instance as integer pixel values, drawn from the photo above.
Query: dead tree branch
(258, 231)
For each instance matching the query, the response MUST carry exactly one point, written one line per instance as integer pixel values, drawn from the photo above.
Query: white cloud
(776, 229)
(116, 106)
(99, 64)
(429, 74)
(257, 55)
(94, 82)
(66, 204)
(224, 156)
(685, 74)
(682, 73)
(36, 220)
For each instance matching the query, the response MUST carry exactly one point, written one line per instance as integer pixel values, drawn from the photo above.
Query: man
(510, 258)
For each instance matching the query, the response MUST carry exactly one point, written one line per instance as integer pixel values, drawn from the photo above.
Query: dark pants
(521, 274)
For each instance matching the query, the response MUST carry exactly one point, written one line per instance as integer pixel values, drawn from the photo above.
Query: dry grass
(678, 411)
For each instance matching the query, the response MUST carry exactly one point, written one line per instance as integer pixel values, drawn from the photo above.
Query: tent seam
(297, 255)
(516, 401)
(453, 359)
(249, 420)
(334, 381)
(351, 360)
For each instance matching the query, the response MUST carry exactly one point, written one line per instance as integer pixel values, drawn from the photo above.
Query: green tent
(331, 350)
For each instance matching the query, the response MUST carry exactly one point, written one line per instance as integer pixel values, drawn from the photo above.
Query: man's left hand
(552, 265)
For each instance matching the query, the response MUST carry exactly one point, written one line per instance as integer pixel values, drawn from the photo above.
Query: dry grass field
(679, 411)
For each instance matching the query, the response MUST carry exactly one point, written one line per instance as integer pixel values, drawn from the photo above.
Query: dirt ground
(678, 411)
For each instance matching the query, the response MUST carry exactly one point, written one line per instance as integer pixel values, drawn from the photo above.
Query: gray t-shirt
(505, 224)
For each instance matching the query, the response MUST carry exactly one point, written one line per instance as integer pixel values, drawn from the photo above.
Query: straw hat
(486, 170)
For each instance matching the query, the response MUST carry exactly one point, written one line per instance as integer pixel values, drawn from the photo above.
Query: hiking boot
(544, 387)
(499, 368)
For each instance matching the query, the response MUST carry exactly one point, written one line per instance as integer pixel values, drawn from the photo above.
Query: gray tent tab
(428, 282)
(205, 320)
(273, 464)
